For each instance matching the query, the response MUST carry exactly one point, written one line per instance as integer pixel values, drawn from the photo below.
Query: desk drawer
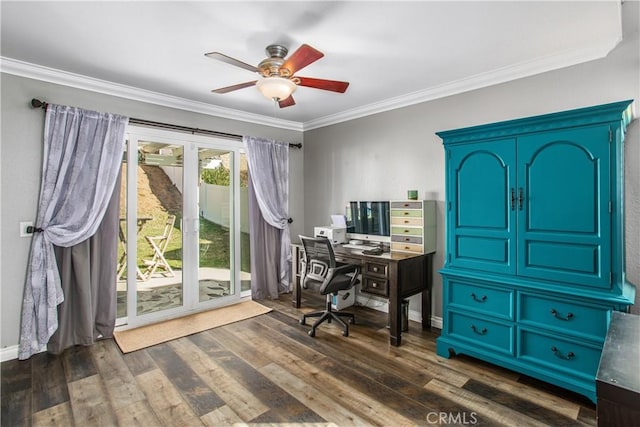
(407, 247)
(496, 302)
(406, 221)
(406, 231)
(406, 205)
(378, 269)
(558, 353)
(406, 213)
(374, 285)
(407, 239)
(564, 316)
(482, 332)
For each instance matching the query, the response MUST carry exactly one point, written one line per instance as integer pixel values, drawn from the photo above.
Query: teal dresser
(535, 242)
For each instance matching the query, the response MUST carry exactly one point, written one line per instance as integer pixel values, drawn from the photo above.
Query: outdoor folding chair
(159, 245)
(122, 262)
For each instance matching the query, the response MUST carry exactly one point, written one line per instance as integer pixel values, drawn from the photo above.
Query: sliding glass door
(185, 236)
(217, 245)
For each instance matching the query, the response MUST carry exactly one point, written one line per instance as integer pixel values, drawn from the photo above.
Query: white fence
(214, 200)
(214, 205)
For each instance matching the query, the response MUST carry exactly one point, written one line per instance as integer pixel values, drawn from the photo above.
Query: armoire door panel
(562, 194)
(484, 207)
(482, 249)
(565, 179)
(481, 212)
(564, 258)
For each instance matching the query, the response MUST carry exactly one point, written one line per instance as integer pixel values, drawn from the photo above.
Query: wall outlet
(23, 228)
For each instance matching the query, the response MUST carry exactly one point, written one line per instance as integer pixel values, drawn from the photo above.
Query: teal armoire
(534, 261)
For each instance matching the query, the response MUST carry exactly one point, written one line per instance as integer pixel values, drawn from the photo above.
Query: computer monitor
(368, 221)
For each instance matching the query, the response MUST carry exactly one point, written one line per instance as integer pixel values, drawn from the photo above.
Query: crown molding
(51, 75)
(478, 81)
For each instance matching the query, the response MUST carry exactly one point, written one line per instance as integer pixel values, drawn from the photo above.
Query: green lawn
(214, 245)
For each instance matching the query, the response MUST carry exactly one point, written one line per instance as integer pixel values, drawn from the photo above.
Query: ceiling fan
(279, 80)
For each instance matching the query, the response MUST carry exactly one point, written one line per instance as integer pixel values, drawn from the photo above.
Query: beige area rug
(146, 336)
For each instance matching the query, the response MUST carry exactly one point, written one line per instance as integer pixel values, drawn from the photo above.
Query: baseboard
(9, 353)
(383, 306)
(436, 322)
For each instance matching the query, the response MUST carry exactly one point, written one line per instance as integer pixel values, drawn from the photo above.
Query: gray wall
(21, 163)
(384, 155)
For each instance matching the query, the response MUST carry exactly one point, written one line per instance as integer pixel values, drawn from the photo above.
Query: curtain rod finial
(36, 103)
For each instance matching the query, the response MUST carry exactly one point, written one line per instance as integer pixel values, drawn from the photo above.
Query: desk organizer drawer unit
(413, 226)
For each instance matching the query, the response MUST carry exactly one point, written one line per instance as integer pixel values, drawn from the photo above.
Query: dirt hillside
(156, 193)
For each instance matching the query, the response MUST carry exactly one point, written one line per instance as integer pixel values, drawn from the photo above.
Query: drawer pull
(483, 298)
(482, 331)
(555, 314)
(406, 213)
(569, 355)
(406, 221)
(374, 285)
(375, 269)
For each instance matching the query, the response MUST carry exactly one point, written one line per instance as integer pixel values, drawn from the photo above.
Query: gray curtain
(81, 162)
(268, 216)
(88, 278)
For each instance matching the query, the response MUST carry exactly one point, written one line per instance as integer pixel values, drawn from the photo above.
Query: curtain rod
(36, 103)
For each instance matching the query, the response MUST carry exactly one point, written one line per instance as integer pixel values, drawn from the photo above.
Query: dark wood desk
(394, 276)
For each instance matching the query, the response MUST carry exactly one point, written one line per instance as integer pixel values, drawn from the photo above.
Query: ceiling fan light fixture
(276, 88)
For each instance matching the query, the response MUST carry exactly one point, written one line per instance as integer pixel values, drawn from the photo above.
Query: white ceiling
(392, 53)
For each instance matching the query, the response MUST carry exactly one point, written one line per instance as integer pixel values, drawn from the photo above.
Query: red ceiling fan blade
(332, 85)
(234, 87)
(229, 60)
(302, 57)
(287, 102)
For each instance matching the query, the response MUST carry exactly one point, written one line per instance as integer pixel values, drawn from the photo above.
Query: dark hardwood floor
(268, 371)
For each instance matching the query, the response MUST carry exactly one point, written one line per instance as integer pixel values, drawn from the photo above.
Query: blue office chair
(320, 268)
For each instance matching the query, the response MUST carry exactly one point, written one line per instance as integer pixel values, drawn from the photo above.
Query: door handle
(513, 199)
(520, 197)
